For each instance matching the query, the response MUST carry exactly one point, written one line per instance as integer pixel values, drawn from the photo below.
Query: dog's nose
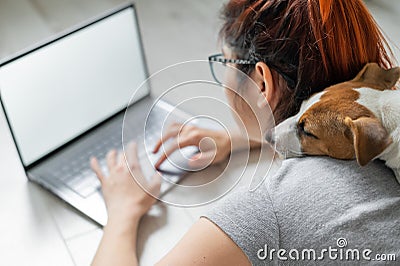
(269, 136)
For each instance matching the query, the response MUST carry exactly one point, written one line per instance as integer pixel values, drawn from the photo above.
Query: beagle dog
(358, 119)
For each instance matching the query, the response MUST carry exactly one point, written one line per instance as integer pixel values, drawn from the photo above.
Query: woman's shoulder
(325, 165)
(317, 199)
(248, 218)
(324, 171)
(310, 201)
(317, 181)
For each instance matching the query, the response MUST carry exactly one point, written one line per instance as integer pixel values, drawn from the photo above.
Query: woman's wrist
(128, 211)
(124, 224)
(125, 218)
(238, 142)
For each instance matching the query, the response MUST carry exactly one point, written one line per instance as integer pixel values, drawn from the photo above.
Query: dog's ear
(372, 74)
(370, 138)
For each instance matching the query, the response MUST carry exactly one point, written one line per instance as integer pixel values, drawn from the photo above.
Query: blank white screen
(61, 90)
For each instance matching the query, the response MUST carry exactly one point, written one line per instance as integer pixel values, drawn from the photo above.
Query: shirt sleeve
(248, 218)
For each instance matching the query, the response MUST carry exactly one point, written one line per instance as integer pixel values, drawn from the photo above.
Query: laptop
(65, 100)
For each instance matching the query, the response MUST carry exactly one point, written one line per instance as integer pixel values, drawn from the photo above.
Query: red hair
(315, 43)
(342, 29)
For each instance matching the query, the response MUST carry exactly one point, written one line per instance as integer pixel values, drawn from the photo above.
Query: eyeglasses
(219, 58)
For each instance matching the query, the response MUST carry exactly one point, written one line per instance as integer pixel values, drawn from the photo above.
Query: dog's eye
(301, 130)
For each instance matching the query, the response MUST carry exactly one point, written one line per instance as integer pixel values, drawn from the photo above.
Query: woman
(290, 49)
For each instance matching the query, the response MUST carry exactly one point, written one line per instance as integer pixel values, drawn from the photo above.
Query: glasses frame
(221, 59)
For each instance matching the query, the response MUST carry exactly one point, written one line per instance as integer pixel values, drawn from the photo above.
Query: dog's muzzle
(287, 144)
(270, 136)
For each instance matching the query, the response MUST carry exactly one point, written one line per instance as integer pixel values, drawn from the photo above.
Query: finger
(172, 131)
(94, 164)
(201, 160)
(111, 159)
(121, 159)
(175, 146)
(132, 156)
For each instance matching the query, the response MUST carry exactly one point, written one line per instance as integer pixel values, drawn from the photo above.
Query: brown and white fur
(358, 119)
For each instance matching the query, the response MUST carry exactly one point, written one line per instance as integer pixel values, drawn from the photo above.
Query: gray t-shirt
(312, 204)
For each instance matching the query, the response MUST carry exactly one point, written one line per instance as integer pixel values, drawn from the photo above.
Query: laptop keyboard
(75, 171)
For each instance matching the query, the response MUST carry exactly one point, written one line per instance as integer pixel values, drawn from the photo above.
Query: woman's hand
(124, 197)
(214, 145)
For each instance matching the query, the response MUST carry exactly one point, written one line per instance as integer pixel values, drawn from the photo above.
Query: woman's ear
(263, 78)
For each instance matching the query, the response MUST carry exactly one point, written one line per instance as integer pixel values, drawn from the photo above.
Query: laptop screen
(58, 92)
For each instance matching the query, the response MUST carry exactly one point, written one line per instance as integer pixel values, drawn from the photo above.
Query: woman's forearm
(239, 142)
(118, 244)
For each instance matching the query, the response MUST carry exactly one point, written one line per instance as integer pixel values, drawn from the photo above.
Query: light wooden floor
(37, 228)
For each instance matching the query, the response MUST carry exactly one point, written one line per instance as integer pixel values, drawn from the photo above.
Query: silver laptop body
(65, 101)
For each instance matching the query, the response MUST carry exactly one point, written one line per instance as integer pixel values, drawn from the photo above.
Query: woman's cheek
(247, 118)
